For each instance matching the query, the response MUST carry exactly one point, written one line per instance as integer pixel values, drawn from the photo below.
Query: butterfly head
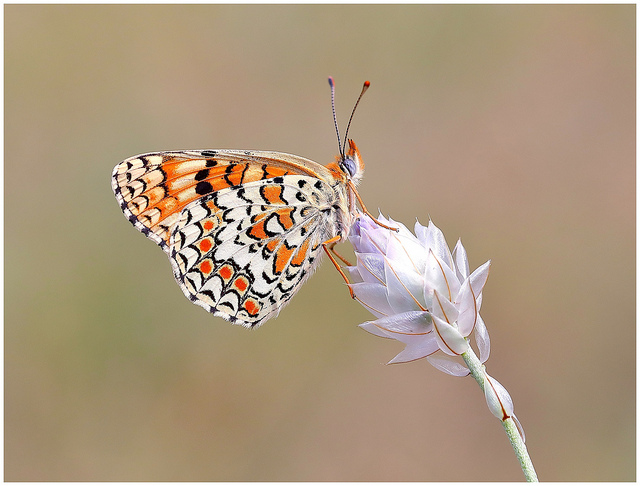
(351, 163)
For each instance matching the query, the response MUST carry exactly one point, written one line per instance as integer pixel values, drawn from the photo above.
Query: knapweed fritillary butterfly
(243, 229)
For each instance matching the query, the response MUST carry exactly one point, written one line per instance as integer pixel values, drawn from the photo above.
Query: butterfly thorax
(347, 171)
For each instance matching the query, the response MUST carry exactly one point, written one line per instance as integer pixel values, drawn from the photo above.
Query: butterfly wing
(153, 189)
(243, 252)
(242, 229)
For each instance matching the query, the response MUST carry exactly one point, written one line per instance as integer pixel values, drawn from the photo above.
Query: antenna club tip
(331, 83)
(367, 84)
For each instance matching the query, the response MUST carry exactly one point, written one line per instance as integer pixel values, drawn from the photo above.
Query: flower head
(421, 293)
(424, 296)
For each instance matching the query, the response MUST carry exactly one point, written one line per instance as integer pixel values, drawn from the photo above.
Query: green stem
(477, 371)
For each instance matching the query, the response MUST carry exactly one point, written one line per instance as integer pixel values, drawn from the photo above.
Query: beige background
(513, 127)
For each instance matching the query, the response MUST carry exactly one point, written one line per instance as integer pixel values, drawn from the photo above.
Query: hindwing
(243, 252)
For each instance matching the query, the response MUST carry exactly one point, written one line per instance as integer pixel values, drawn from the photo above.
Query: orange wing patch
(272, 194)
(206, 267)
(252, 307)
(155, 188)
(226, 272)
(284, 217)
(283, 255)
(205, 245)
(258, 230)
(301, 255)
(241, 284)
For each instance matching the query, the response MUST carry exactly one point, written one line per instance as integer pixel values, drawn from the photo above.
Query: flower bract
(421, 293)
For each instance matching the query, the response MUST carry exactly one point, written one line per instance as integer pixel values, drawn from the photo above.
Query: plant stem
(477, 371)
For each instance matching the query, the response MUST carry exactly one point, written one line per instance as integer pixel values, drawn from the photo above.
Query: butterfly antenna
(335, 119)
(365, 87)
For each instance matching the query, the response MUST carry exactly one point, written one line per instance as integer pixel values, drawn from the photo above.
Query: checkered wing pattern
(243, 252)
(243, 229)
(154, 188)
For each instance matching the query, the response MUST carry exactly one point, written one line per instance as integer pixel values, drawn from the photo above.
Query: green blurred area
(512, 127)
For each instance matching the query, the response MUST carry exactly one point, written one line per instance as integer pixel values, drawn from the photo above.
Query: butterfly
(243, 229)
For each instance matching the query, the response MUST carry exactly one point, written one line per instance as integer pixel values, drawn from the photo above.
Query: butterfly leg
(366, 211)
(333, 250)
(328, 248)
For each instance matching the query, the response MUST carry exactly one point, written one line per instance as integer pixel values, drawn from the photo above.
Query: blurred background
(512, 127)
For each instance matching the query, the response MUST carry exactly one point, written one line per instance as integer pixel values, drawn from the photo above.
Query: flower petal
(354, 274)
(375, 330)
(448, 365)
(412, 322)
(402, 229)
(368, 237)
(439, 276)
(519, 426)
(449, 339)
(370, 267)
(421, 233)
(443, 308)
(433, 239)
(498, 398)
(373, 297)
(462, 263)
(479, 301)
(407, 252)
(467, 305)
(405, 288)
(482, 340)
(479, 278)
(417, 347)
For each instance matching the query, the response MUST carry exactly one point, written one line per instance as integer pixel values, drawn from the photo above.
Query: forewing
(243, 252)
(153, 189)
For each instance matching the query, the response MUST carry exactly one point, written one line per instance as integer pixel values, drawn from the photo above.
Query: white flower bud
(421, 294)
(498, 398)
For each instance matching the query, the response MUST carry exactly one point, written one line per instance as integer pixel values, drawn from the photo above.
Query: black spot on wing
(203, 188)
(202, 175)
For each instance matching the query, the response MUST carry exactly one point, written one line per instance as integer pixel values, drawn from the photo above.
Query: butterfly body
(243, 229)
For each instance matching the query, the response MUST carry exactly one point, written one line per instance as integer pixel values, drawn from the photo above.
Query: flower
(424, 296)
(421, 293)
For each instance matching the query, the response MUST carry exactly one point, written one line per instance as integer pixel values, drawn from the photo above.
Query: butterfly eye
(349, 166)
